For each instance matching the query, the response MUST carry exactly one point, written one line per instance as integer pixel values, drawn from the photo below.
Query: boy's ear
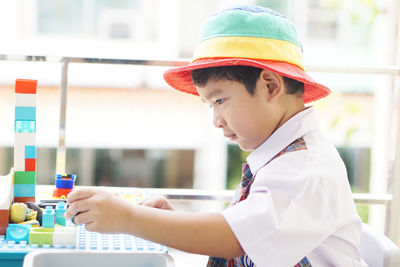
(273, 83)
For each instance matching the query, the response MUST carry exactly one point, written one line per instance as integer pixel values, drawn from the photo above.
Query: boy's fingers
(83, 218)
(91, 227)
(77, 207)
(80, 194)
(148, 202)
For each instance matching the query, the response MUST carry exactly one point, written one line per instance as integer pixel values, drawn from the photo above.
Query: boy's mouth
(232, 137)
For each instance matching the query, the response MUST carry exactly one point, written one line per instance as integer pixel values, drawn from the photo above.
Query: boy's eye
(219, 101)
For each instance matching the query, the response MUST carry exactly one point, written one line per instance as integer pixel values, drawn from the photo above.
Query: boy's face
(245, 119)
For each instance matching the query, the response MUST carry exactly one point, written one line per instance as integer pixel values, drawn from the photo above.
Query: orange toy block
(30, 165)
(24, 86)
(4, 218)
(61, 192)
(24, 199)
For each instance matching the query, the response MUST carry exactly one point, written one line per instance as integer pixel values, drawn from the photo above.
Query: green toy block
(41, 236)
(21, 177)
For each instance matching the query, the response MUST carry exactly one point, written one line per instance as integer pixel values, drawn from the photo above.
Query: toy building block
(25, 113)
(30, 152)
(24, 199)
(22, 177)
(21, 141)
(61, 208)
(65, 181)
(41, 236)
(27, 139)
(19, 156)
(61, 193)
(65, 236)
(24, 86)
(24, 190)
(4, 219)
(59, 236)
(18, 232)
(33, 223)
(25, 127)
(25, 100)
(64, 185)
(30, 165)
(48, 218)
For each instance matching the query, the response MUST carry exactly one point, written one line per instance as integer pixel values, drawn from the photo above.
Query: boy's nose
(218, 120)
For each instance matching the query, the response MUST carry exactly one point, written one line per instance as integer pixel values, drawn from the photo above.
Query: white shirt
(300, 204)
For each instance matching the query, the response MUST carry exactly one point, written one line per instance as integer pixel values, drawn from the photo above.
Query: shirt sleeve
(287, 213)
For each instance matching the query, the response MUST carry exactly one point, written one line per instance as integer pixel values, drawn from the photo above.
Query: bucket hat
(248, 36)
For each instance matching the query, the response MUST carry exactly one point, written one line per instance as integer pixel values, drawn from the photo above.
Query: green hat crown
(250, 21)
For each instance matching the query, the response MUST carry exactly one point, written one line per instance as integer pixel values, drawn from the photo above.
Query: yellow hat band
(249, 47)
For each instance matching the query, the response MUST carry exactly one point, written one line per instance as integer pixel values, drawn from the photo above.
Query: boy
(294, 205)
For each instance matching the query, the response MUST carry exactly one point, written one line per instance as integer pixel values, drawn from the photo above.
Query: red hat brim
(180, 78)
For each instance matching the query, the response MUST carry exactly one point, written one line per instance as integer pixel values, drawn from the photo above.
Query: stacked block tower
(64, 185)
(25, 141)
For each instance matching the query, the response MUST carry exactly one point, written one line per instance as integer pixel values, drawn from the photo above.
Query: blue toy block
(48, 218)
(61, 208)
(66, 183)
(25, 113)
(30, 152)
(18, 232)
(24, 190)
(25, 126)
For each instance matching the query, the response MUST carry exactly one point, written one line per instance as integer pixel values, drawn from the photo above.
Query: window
(322, 22)
(120, 19)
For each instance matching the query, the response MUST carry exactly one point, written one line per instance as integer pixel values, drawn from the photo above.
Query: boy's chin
(245, 147)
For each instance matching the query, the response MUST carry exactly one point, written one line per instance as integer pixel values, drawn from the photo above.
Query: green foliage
(353, 108)
(362, 12)
(349, 133)
(335, 122)
(236, 157)
(363, 212)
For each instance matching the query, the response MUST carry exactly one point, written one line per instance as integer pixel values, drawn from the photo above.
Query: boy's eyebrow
(212, 93)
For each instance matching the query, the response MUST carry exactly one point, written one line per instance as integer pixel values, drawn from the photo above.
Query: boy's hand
(158, 202)
(202, 233)
(99, 210)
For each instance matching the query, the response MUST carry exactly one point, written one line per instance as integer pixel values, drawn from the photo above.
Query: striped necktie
(246, 175)
(247, 179)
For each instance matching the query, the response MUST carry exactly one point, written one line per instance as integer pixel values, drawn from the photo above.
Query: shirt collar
(296, 127)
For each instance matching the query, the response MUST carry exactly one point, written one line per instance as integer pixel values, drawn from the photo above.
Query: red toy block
(4, 218)
(24, 86)
(61, 192)
(24, 199)
(30, 165)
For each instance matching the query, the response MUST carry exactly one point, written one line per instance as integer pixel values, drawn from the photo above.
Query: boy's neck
(292, 106)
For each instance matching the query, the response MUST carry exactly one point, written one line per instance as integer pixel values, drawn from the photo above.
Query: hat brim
(180, 78)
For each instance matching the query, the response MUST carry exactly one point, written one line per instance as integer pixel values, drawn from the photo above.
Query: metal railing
(390, 201)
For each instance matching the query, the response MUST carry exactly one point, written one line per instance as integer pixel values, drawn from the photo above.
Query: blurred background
(127, 127)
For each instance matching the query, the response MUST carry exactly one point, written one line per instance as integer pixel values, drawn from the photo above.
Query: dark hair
(246, 75)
